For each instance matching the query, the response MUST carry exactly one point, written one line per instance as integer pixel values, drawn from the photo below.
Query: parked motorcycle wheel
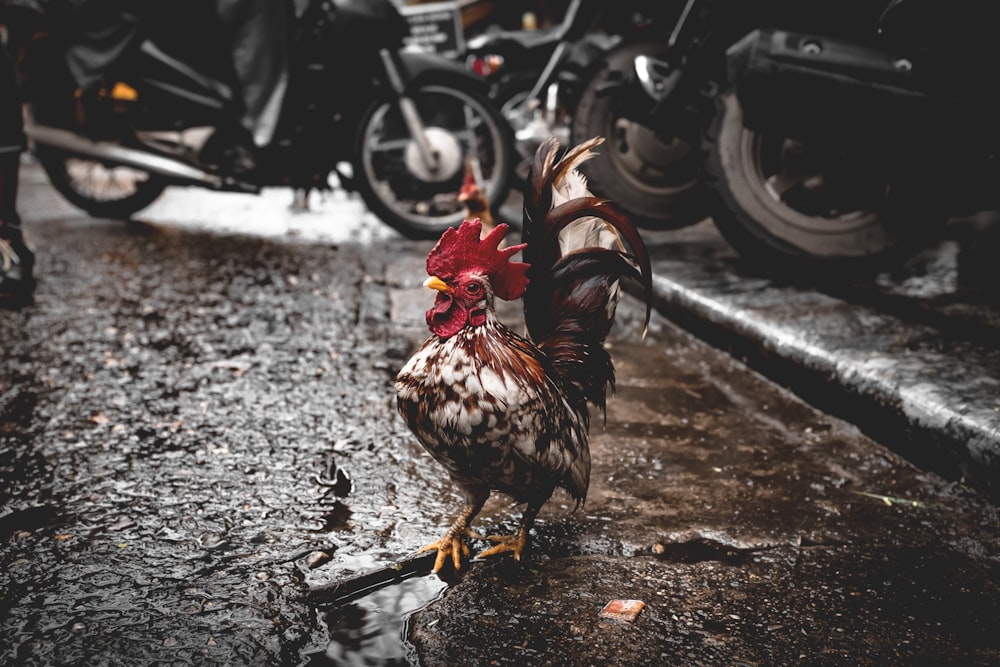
(653, 177)
(102, 190)
(393, 179)
(810, 207)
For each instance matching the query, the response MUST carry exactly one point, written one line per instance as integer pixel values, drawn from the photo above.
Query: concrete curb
(933, 400)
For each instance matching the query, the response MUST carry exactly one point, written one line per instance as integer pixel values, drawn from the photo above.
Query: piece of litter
(622, 610)
(317, 558)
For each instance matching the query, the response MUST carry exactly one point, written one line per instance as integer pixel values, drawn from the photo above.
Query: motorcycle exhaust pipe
(115, 153)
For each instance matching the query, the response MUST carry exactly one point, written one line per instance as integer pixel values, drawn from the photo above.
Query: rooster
(510, 413)
(476, 203)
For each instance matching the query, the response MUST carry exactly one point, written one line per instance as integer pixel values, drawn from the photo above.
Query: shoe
(231, 153)
(17, 263)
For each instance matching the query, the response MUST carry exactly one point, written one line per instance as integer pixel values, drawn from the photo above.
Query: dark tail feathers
(579, 247)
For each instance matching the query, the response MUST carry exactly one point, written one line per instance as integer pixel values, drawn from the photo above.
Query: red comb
(461, 251)
(469, 188)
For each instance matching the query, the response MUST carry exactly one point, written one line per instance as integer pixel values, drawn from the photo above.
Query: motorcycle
(537, 76)
(835, 137)
(396, 125)
(653, 176)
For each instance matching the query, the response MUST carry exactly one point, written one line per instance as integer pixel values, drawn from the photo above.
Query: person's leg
(16, 259)
(258, 43)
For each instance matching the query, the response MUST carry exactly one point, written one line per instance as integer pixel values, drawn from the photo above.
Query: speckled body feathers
(487, 406)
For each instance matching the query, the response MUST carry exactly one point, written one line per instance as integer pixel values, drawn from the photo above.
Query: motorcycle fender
(418, 68)
(800, 83)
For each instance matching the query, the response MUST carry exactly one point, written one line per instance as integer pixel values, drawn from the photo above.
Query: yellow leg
(453, 542)
(513, 543)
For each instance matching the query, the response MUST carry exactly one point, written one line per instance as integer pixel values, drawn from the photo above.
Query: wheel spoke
(780, 184)
(101, 182)
(388, 145)
(402, 189)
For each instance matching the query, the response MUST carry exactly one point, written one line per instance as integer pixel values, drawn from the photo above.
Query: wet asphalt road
(197, 427)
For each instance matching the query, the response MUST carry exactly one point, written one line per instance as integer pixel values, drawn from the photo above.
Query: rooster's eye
(474, 288)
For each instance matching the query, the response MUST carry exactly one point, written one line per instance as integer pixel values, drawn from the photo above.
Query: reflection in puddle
(372, 630)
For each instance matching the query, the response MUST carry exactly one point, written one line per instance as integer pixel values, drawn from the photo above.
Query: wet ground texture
(910, 356)
(198, 442)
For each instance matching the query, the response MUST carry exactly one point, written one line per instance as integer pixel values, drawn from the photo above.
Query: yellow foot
(449, 545)
(513, 543)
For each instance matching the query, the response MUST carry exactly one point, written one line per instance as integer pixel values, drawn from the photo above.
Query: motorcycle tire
(654, 178)
(103, 191)
(812, 209)
(460, 122)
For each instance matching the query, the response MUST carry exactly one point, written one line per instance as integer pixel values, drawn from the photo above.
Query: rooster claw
(449, 545)
(512, 543)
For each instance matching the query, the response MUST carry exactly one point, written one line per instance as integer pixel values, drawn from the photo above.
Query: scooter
(833, 143)
(536, 75)
(397, 126)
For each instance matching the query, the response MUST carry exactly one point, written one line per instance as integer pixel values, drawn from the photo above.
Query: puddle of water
(372, 630)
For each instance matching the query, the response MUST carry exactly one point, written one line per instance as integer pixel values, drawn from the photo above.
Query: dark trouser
(257, 37)
(11, 144)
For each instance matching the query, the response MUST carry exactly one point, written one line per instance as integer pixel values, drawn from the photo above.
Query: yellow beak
(437, 284)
